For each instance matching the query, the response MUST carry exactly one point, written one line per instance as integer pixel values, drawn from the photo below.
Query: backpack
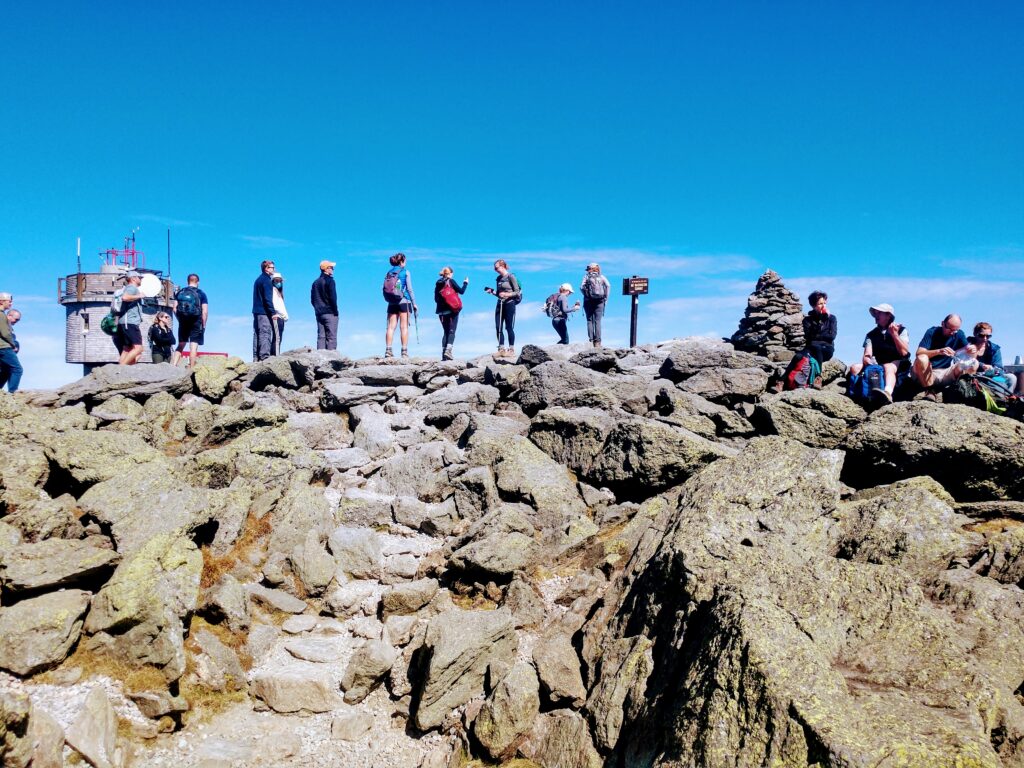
(393, 293)
(518, 299)
(593, 287)
(117, 303)
(982, 392)
(450, 297)
(109, 324)
(802, 372)
(551, 308)
(189, 302)
(860, 385)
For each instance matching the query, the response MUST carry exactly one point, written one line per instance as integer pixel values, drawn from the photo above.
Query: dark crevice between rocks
(203, 535)
(90, 582)
(61, 481)
(817, 752)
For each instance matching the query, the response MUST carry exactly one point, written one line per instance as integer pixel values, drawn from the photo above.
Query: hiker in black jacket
(446, 310)
(323, 295)
(820, 328)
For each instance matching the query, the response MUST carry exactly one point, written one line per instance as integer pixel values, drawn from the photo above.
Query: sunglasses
(984, 335)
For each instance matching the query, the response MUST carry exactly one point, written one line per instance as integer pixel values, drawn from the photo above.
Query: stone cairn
(772, 324)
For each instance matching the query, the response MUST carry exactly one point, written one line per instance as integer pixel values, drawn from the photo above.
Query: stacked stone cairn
(772, 324)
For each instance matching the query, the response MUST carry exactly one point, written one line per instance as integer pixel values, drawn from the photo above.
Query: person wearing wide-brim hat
(561, 312)
(887, 345)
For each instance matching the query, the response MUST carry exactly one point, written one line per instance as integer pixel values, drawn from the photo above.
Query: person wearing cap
(263, 315)
(128, 338)
(446, 313)
(560, 319)
(10, 366)
(933, 363)
(323, 295)
(887, 345)
(280, 313)
(191, 326)
(595, 289)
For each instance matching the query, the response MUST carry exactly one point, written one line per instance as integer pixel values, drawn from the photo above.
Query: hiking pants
(594, 310)
(505, 320)
(326, 331)
(449, 324)
(561, 325)
(278, 328)
(10, 369)
(821, 351)
(262, 337)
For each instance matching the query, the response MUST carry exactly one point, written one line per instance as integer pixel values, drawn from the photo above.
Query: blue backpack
(860, 385)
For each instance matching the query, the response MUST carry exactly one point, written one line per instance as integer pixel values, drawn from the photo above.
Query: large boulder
(819, 418)
(689, 357)
(15, 724)
(561, 738)
(55, 564)
(442, 406)
(367, 667)
(83, 459)
(508, 713)
(295, 368)
(137, 615)
(134, 381)
(38, 633)
(213, 376)
(296, 686)
(457, 649)
(977, 456)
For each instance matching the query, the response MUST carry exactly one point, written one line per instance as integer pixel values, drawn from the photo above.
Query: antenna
(78, 253)
(168, 253)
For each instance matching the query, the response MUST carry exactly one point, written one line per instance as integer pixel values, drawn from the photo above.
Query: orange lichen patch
(998, 525)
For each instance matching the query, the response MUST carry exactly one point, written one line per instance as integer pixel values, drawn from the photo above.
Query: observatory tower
(86, 298)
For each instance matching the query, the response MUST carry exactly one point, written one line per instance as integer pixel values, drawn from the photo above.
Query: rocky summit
(578, 558)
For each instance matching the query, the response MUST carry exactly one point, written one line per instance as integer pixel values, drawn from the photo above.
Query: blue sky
(870, 149)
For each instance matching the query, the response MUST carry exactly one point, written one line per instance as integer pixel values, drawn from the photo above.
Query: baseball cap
(277, 276)
(882, 308)
(565, 287)
(131, 273)
(325, 264)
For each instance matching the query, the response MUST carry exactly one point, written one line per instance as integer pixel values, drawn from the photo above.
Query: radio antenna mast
(168, 253)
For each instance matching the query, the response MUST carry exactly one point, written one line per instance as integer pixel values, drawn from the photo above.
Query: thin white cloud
(167, 221)
(265, 241)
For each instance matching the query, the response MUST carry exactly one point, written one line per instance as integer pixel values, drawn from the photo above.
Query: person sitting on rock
(887, 345)
(990, 356)
(820, 328)
(933, 364)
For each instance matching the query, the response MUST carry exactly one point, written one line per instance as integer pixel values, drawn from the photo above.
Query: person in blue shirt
(398, 312)
(192, 309)
(990, 356)
(263, 314)
(933, 365)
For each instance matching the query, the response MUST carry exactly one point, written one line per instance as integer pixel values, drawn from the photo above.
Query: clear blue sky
(872, 149)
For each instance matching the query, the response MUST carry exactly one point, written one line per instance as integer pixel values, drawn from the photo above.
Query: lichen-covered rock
(92, 457)
(38, 633)
(508, 713)
(561, 738)
(54, 564)
(296, 687)
(213, 375)
(136, 381)
(558, 668)
(15, 743)
(818, 418)
(367, 667)
(295, 368)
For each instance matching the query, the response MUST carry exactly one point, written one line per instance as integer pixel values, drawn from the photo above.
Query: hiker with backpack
(10, 365)
(401, 301)
(447, 296)
(933, 365)
(509, 293)
(161, 338)
(990, 356)
(280, 312)
(886, 359)
(820, 328)
(558, 309)
(264, 316)
(595, 289)
(323, 295)
(127, 306)
(191, 308)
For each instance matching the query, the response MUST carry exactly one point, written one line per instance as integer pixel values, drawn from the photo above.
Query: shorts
(401, 308)
(129, 335)
(191, 330)
(940, 377)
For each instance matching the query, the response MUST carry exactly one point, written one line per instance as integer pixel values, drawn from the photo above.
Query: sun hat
(565, 287)
(882, 308)
(277, 276)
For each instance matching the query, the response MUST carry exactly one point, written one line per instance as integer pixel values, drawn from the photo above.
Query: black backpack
(593, 287)
(189, 302)
(551, 308)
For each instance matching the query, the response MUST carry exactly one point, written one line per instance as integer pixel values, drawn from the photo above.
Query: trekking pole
(416, 322)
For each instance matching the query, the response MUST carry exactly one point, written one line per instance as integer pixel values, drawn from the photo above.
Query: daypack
(551, 308)
(189, 302)
(109, 324)
(982, 392)
(860, 385)
(117, 303)
(451, 297)
(803, 371)
(594, 287)
(393, 293)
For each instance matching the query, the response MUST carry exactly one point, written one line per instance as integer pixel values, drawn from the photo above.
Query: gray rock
(227, 661)
(373, 431)
(227, 601)
(322, 431)
(346, 458)
(458, 647)
(321, 650)
(354, 597)
(558, 668)
(444, 405)
(423, 471)
(357, 552)
(561, 738)
(301, 510)
(312, 564)
(47, 740)
(525, 603)
(275, 599)
(93, 732)
(136, 381)
(531, 355)
(295, 368)
(384, 375)
(15, 738)
(342, 396)
(691, 356)
(38, 633)
(625, 668)
(296, 687)
(433, 519)
(43, 519)
(819, 418)
(727, 386)
(367, 667)
(296, 625)
(408, 598)
(351, 726)
(55, 563)
(508, 714)
(499, 554)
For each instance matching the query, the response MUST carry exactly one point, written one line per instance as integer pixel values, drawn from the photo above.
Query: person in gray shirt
(128, 338)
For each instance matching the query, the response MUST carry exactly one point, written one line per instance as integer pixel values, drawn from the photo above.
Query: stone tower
(772, 324)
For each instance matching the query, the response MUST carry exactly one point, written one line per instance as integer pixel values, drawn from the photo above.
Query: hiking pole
(416, 322)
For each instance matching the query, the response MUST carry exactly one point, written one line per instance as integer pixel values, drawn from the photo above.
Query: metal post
(632, 320)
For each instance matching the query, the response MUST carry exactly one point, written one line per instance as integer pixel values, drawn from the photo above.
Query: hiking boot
(880, 396)
(388, 352)
(597, 345)
(447, 353)
(405, 351)
(510, 352)
(931, 396)
(500, 352)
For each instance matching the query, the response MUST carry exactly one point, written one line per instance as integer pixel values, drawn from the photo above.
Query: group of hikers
(889, 367)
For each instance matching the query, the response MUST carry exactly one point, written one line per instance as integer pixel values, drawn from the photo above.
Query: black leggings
(449, 323)
(505, 321)
(821, 351)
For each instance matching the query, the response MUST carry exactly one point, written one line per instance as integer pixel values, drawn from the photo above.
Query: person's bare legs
(389, 335)
(193, 349)
(404, 332)
(923, 371)
(854, 369)
(890, 377)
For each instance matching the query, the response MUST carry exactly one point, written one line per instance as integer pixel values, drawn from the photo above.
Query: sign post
(634, 286)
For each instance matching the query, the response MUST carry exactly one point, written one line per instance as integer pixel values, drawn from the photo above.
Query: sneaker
(510, 352)
(500, 352)
(447, 353)
(388, 352)
(880, 396)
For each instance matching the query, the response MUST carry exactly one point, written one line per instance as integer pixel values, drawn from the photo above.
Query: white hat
(565, 287)
(882, 308)
(277, 276)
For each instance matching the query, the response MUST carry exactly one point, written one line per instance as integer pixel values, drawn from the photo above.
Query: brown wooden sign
(634, 286)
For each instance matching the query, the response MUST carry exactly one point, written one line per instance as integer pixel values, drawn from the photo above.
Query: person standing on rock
(595, 289)
(161, 338)
(128, 338)
(263, 315)
(323, 295)
(933, 364)
(509, 294)
(887, 345)
(10, 365)
(280, 312)
(192, 309)
(820, 328)
(401, 302)
(449, 305)
(558, 310)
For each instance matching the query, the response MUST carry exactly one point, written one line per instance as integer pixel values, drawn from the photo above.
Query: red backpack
(451, 297)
